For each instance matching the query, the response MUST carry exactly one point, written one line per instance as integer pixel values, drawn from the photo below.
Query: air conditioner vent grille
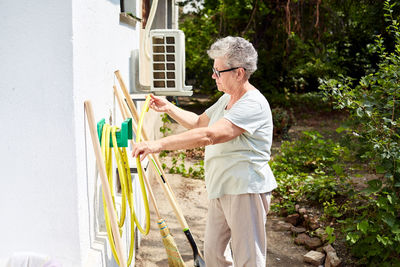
(168, 61)
(164, 65)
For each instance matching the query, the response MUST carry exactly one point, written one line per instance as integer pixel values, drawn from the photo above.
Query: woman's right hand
(159, 104)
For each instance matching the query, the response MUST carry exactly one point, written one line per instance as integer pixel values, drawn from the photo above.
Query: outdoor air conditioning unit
(167, 61)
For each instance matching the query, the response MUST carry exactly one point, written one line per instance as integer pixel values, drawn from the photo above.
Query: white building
(54, 55)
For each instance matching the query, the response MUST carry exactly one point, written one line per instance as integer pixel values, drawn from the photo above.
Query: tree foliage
(374, 229)
(298, 41)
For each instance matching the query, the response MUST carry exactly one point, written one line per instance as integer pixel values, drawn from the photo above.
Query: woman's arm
(187, 119)
(220, 132)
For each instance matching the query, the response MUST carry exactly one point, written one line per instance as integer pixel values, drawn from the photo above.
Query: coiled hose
(126, 189)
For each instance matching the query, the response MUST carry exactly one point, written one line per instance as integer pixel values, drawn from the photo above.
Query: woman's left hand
(145, 148)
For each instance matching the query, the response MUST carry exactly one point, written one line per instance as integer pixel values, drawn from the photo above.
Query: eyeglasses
(218, 72)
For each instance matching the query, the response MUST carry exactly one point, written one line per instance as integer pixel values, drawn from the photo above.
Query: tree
(298, 41)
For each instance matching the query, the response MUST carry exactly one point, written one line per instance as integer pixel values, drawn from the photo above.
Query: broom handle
(135, 115)
(124, 112)
(105, 185)
(164, 183)
(167, 191)
(127, 96)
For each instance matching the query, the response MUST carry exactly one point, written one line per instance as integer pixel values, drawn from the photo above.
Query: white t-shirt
(240, 165)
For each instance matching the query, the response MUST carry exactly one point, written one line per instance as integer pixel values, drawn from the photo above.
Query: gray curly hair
(237, 52)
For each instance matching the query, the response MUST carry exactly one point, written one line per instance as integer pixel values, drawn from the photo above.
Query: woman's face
(226, 81)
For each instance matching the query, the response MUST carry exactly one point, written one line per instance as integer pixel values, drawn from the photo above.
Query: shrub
(309, 169)
(374, 229)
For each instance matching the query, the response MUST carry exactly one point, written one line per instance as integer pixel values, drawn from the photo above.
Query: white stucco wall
(54, 55)
(38, 171)
(101, 45)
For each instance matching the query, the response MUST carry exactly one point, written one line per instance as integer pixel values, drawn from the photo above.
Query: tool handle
(104, 184)
(164, 183)
(161, 176)
(124, 111)
(169, 193)
(127, 96)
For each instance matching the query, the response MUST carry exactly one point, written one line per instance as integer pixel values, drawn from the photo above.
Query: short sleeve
(210, 110)
(248, 114)
(216, 105)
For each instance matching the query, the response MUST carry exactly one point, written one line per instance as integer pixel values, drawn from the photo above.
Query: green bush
(310, 169)
(373, 231)
(179, 167)
(164, 129)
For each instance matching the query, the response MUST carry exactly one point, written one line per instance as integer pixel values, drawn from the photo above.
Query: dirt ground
(192, 198)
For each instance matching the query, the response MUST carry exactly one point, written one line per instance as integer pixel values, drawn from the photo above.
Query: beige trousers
(241, 220)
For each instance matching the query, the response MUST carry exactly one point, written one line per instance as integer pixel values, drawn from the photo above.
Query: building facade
(54, 55)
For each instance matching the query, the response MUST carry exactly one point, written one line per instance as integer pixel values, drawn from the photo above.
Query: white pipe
(176, 15)
(150, 19)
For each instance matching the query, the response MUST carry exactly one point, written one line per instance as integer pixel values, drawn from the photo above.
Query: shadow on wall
(115, 2)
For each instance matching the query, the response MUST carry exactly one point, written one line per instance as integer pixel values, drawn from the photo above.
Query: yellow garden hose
(126, 189)
(145, 108)
(198, 259)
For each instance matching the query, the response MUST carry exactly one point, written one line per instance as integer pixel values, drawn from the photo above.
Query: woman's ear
(241, 74)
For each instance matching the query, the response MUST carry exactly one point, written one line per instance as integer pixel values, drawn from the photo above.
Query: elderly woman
(237, 134)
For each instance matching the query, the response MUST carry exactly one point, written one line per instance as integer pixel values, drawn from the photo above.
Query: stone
(293, 218)
(313, 243)
(313, 224)
(328, 248)
(314, 257)
(302, 211)
(321, 234)
(332, 260)
(320, 231)
(306, 220)
(282, 226)
(297, 207)
(301, 239)
(297, 230)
